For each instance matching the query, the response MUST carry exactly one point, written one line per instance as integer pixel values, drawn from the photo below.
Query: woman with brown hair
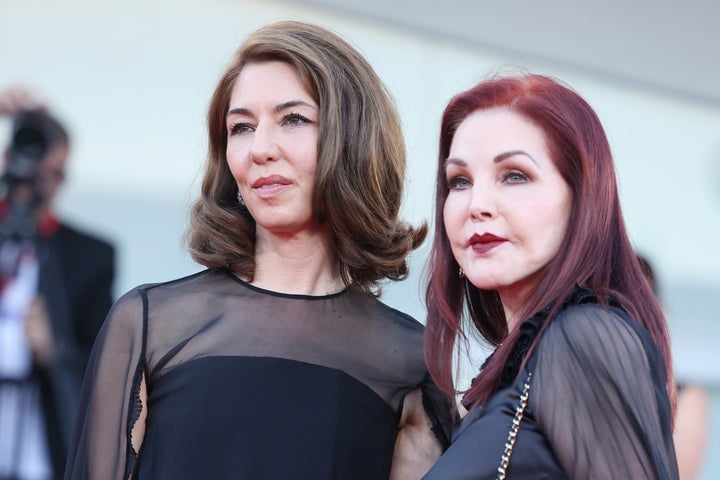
(530, 246)
(278, 361)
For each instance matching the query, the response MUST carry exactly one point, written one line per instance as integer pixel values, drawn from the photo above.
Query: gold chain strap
(512, 436)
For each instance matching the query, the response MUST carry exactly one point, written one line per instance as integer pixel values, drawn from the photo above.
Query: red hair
(596, 252)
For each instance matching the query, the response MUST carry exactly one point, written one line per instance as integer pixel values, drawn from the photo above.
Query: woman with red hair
(531, 251)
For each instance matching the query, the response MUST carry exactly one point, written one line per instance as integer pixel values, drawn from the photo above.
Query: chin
(483, 283)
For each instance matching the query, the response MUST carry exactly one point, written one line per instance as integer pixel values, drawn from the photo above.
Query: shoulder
(204, 282)
(135, 303)
(392, 323)
(72, 235)
(395, 338)
(125, 315)
(385, 320)
(387, 314)
(589, 316)
(404, 337)
(400, 318)
(595, 334)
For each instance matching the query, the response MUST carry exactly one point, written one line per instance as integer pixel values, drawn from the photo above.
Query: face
(47, 178)
(51, 173)
(272, 125)
(508, 207)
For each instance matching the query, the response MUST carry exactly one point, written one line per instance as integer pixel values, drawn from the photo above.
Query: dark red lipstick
(485, 242)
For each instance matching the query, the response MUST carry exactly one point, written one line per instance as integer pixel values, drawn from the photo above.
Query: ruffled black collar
(529, 330)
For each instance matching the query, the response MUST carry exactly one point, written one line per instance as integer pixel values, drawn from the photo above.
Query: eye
(238, 128)
(458, 182)
(515, 176)
(295, 119)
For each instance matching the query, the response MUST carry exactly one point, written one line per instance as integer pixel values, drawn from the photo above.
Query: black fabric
(438, 407)
(76, 276)
(86, 267)
(244, 383)
(598, 407)
(339, 427)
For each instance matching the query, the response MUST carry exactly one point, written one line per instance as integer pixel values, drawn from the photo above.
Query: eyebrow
(498, 158)
(512, 153)
(278, 108)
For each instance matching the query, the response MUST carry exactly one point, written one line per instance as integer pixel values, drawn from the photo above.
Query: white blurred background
(132, 80)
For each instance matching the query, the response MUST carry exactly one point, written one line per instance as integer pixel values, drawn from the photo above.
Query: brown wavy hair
(596, 252)
(361, 161)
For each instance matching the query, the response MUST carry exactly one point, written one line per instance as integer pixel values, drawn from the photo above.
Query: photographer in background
(691, 434)
(55, 291)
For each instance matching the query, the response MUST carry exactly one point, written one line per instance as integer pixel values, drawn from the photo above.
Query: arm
(691, 430)
(16, 98)
(599, 395)
(110, 419)
(38, 332)
(416, 447)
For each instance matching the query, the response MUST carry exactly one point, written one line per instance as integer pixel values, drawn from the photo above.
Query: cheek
(310, 164)
(556, 223)
(237, 167)
(236, 155)
(453, 217)
(307, 153)
(561, 210)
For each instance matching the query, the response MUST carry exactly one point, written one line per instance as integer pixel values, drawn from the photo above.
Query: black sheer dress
(597, 409)
(244, 383)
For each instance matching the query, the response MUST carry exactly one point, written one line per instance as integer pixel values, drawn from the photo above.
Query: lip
(484, 243)
(266, 187)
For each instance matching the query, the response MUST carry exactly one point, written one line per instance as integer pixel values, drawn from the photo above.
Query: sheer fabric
(246, 383)
(598, 407)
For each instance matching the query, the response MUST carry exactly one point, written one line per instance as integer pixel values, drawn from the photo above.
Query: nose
(264, 146)
(482, 204)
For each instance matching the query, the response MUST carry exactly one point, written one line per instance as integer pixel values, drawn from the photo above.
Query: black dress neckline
(298, 296)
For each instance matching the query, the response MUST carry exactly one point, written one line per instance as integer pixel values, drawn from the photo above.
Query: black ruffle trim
(529, 330)
(135, 409)
(439, 430)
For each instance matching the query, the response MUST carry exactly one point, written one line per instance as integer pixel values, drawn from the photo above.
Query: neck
(302, 264)
(513, 302)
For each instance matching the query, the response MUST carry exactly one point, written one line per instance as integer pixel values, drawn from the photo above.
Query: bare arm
(691, 430)
(416, 447)
(16, 98)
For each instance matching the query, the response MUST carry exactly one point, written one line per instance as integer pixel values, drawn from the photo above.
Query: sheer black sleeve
(110, 403)
(599, 394)
(438, 408)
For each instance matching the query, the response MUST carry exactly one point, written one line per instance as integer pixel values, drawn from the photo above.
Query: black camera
(34, 134)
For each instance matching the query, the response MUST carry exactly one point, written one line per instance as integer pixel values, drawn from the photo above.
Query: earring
(240, 199)
(461, 273)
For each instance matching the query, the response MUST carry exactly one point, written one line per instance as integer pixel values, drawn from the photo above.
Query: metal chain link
(512, 436)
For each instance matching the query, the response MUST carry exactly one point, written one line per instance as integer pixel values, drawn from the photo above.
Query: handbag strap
(512, 436)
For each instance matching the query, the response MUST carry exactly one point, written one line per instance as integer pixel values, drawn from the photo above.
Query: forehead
(55, 158)
(497, 130)
(272, 80)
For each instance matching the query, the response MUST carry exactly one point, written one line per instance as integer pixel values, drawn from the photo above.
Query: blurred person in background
(692, 420)
(55, 291)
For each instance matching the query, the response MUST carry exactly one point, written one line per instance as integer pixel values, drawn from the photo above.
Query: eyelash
(454, 183)
(517, 173)
(239, 127)
(296, 118)
(292, 118)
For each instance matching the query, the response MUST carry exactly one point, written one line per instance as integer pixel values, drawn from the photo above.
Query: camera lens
(30, 143)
